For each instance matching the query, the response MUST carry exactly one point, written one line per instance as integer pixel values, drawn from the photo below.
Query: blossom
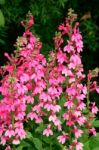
(81, 120)
(79, 146)
(61, 57)
(24, 77)
(94, 109)
(69, 48)
(93, 131)
(21, 89)
(69, 104)
(10, 133)
(48, 131)
(8, 148)
(62, 138)
(16, 141)
(97, 89)
(77, 132)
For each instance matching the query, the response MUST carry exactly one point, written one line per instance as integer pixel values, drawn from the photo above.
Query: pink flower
(61, 57)
(69, 48)
(70, 123)
(71, 91)
(81, 106)
(76, 113)
(3, 140)
(69, 104)
(24, 78)
(16, 141)
(94, 109)
(32, 115)
(9, 133)
(45, 97)
(81, 120)
(66, 72)
(22, 89)
(57, 122)
(62, 138)
(8, 148)
(38, 120)
(48, 131)
(20, 133)
(77, 132)
(66, 116)
(93, 131)
(97, 89)
(56, 108)
(52, 117)
(79, 146)
(74, 61)
(48, 106)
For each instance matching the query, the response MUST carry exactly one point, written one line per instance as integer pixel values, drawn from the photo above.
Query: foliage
(48, 14)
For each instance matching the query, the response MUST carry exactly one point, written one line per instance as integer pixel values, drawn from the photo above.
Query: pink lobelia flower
(97, 89)
(69, 48)
(78, 145)
(81, 120)
(93, 131)
(62, 138)
(78, 133)
(9, 133)
(94, 109)
(8, 148)
(69, 104)
(61, 57)
(48, 131)
(16, 141)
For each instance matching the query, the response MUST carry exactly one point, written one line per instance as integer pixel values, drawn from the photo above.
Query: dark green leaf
(40, 128)
(38, 143)
(2, 20)
(96, 123)
(94, 142)
(2, 2)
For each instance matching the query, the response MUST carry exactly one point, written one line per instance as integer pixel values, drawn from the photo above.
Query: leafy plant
(48, 97)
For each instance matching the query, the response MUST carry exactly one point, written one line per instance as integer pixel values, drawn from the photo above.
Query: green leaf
(1, 97)
(22, 145)
(46, 140)
(38, 143)
(86, 146)
(94, 142)
(2, 2)
(62, 101)
(40, 128)
(29, 135)
(84, 138)
(96, 123)
(2, 21)
(19, 147)
(62, 2)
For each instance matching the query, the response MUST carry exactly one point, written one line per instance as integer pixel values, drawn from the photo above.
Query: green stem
(70, 137)
(50, 146)
(13, 147)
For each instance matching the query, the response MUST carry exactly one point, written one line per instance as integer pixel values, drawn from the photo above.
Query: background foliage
(48, 15)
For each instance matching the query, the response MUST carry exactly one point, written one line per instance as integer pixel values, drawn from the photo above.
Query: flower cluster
(49, 92)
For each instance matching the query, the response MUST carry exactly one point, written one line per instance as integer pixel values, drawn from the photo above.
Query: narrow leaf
(2, 21)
